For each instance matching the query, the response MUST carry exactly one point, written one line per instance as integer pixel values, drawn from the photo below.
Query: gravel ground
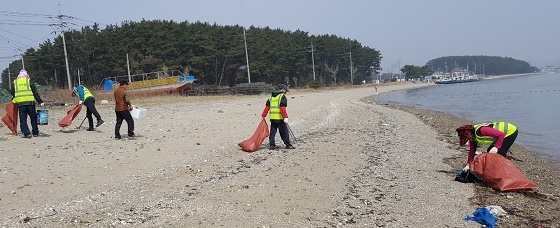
(539, 208)
(357, 164)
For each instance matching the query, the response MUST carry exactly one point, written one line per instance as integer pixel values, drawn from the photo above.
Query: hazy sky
(407, 32)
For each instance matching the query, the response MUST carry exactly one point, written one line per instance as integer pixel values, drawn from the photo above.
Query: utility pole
(66, 60)
(9, 79)
(22, 63)
(65, 52)
(246, 55)
(351, 69)
(313, 60)
(380, 69)
(399, 67)
(79, 81)
(392, 66)
(128, 67)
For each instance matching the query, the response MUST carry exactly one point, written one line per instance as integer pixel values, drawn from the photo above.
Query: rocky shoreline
(525, 209)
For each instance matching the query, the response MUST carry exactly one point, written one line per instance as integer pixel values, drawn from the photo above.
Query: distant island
(481, 65)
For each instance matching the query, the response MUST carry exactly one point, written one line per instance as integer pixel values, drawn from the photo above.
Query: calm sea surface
(532, 103)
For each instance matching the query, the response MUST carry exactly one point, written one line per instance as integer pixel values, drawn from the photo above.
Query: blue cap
(284, 87)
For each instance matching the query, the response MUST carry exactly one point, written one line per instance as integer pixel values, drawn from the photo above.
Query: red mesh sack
(71, 114)
(11, 117)
(253, 143)
(500, 174)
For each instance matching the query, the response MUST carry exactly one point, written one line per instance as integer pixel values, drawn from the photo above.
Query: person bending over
(498, 135)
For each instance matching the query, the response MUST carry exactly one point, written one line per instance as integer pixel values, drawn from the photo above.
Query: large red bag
(253, 143)
(11, 117)
(71, 114)
(500, 174)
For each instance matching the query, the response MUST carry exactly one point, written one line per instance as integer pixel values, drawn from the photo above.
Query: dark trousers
(124, 115)
(284, 134)
(508, 141)
(24, 111)
(90, 105)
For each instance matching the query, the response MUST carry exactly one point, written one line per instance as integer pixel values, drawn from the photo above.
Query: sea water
(532, 103)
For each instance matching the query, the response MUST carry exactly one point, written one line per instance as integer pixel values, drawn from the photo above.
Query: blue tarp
(108, 84)
(484, 217)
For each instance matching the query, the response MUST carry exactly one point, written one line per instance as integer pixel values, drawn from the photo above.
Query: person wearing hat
(87, 99)
(277, 105)
(25, 95)
(122, 110)
(499, 135)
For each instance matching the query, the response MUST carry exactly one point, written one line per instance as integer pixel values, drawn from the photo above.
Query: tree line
(482, 65)
(479, 65)
(214, 54)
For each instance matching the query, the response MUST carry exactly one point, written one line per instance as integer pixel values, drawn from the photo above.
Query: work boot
(290, 147)
(26, 136)
(99, 123)
(90, 129)
(118, 137)
(273, 147)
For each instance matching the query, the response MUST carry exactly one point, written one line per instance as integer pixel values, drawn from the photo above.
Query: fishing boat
(457, 76)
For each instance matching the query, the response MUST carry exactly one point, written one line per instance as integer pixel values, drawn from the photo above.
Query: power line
(9, 57)
(25, 23)
(21, 14)
(18, 35)
(10, 41)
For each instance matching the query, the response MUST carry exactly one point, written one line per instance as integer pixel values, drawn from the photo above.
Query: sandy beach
(357, 163)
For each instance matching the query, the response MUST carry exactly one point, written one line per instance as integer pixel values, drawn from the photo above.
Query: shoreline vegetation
(358, 163)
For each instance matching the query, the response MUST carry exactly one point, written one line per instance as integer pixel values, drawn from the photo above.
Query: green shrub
(314, 84)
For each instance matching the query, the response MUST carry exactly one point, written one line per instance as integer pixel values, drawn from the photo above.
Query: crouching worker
(499, 135)
(277, 104)
(87, 99)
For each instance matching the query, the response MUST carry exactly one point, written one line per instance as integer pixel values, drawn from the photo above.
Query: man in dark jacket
(26, 97)
(122, 110)
(277, 105)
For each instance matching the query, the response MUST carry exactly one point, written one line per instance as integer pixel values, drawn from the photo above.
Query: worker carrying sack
(253, 143)
(500, 174)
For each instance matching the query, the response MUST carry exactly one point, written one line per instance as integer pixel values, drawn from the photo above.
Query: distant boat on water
(457, 76)
(457, 80)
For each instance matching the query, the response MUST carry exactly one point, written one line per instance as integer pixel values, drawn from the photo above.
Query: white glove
(467, 167)
(42, 104)
(285, 120)
(81, 102)
(493, 150)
